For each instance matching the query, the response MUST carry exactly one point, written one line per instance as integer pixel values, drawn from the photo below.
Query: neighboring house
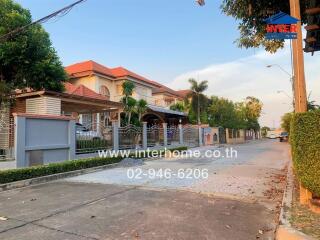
(165, 97)
(108, 82)
(76, 101)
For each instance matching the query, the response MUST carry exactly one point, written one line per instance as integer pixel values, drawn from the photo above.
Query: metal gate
(191, 135)
(6, 135)
(155, 136)
(93, 137)
(222, 135)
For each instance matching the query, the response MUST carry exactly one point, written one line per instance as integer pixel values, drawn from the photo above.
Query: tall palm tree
(128, 102)
(127, 89)
(197, 96)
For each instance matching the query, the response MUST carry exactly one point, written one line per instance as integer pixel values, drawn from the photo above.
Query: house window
(105, 91)
(119, 90)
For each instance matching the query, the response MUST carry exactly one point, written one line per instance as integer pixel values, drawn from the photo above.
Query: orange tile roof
(82, 91)
(184, 92)
(123, 72)
(88, 67)
(165, 89)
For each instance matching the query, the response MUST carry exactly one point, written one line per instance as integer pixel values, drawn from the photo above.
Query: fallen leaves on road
(228, 226)
(3, 219)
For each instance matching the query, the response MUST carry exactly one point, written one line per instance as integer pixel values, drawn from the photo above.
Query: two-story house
(108, 82)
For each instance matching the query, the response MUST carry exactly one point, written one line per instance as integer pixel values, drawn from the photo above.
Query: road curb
(284, 230)
(48, 178)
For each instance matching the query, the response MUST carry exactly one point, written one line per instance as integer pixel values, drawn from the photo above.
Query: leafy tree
(251, 14)
(286, 121)
(221, 112)
(129, 107)
(141, 107)
(251, 111)
(27, 59)
(198, 99)
(264, 131)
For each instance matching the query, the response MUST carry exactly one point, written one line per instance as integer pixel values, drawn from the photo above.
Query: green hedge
(13, 175)
(305, 142)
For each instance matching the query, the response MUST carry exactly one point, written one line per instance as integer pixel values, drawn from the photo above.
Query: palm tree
(129, 107)
(198, 96)
(141, 107)
(127, 89)
(128, 102)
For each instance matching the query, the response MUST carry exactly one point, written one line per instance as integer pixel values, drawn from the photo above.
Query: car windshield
(284, 134)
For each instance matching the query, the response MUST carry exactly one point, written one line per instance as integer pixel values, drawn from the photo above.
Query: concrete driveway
(239, 200)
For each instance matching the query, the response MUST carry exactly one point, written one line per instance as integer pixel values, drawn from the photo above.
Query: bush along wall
(305, 142)
(13, 175)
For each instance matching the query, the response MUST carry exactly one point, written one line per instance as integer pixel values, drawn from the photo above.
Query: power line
(60, 13)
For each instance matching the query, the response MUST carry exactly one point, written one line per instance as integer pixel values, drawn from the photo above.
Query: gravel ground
(249, 176)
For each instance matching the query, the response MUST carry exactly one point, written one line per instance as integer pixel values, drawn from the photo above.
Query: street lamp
(282, 69)
(291, 80)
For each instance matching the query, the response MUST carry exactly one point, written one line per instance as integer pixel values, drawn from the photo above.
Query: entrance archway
(153, 119)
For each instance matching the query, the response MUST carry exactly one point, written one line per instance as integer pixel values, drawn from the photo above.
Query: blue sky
(172, 40)
(159, 39)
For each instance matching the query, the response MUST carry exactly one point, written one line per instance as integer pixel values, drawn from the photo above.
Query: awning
(166, 110)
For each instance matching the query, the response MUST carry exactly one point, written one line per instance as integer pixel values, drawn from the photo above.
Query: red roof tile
(82, 91)
(122, 72)
(165, 89)
(184, 93)
(88, 66)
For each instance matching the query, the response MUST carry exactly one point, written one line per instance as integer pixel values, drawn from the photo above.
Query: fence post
(115, 135)
(144, 135)
(20, 141)
(180, 134)
(72, 139)
(165, 134)
(227, 135)
(200, 135)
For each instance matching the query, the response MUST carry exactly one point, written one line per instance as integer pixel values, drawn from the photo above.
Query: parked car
(272, 136)
(284, 137)
(86, 134)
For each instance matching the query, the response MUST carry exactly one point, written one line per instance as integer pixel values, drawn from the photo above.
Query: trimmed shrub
(305, 142)
(13, 175)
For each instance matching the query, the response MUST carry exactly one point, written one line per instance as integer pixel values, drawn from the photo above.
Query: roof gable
(123, 72)
(82, 91)
(281, 18)
(88, 66)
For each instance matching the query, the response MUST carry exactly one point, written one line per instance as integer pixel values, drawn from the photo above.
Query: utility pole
(298, 62)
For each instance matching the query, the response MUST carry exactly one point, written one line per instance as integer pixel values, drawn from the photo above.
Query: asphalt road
(239, 199)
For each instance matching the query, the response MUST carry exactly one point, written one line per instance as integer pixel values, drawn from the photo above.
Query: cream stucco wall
(160, 99)
(141, 91)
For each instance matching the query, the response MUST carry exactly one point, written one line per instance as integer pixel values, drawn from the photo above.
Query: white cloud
(250, 77)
